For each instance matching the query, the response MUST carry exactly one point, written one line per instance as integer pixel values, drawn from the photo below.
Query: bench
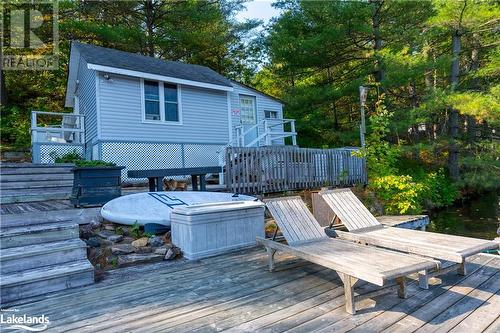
(155, 176)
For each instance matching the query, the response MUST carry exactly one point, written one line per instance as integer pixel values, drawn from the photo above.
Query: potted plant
(95, 182)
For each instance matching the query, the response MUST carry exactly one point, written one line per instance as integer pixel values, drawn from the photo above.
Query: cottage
(147, 113)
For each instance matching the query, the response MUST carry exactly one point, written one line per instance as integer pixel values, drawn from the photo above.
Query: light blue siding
(263, 103)
(204, 114)
(87, 97)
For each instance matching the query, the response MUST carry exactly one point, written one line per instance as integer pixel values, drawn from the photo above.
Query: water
(477, 218)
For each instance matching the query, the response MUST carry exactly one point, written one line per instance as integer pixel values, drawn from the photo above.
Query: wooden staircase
(41, 258)
(28, 182)
(43, 253)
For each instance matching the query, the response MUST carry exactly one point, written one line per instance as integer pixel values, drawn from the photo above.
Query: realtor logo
(29, 34)
(9, 319)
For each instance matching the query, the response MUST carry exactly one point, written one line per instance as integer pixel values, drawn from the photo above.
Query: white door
(248, 118)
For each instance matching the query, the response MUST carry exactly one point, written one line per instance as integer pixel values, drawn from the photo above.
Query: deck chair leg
(423, 279)
(462, 270)
(402, 292)
(349, 283)
(270, 258)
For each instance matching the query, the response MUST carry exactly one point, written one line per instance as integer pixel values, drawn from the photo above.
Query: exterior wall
(263, 103)
(87, 101)
(203, 113)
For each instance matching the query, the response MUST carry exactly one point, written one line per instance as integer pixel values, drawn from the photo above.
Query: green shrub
(78, 160)
(399, 194)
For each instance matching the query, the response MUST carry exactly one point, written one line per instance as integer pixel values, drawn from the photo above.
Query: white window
(247, 110)
(271, 114)
(161, 102)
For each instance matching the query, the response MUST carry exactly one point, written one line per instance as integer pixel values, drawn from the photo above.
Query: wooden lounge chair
(307, 240)
(364, 228)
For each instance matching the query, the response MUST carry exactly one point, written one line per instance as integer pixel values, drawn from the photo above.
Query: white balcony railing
(56, 127)
(274, 129)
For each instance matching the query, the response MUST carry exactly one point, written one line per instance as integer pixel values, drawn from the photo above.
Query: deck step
(36, 177)
(36, 184)
(46, 279)
(37, 234)
(33, 197)
(39, 255)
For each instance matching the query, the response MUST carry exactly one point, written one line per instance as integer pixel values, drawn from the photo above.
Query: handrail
(58, 113)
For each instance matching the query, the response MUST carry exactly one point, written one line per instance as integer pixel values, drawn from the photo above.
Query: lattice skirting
(152, 155)
(46, 153)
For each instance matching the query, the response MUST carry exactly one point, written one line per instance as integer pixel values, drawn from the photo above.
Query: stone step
(32, 197)
(22, 258)
(46, 279)
(37, 234)
(36, 177)
(36, 184)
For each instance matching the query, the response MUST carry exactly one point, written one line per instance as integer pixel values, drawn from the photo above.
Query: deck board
(236, 293)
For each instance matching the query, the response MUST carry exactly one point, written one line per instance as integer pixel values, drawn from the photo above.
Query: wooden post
(294, 136)
(270, 258)
(423, 279)
(349, 283)
(402, 291)
(462, 270)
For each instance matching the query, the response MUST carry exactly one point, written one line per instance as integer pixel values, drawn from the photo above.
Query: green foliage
(78, 160)
(15, 127)
(399, 194)
(135, 230)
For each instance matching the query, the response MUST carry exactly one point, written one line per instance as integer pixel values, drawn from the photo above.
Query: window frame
(273, 111)
(162, 102)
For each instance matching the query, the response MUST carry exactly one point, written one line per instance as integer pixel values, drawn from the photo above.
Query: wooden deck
(236, 293)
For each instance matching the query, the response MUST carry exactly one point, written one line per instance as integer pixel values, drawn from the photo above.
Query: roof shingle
(125, 60)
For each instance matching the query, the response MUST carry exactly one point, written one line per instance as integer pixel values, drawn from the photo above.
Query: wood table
(155, 176)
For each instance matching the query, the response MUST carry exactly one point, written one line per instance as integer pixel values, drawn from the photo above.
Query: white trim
(156, 77)
(161, 92)
(98, 105)
(229, 116)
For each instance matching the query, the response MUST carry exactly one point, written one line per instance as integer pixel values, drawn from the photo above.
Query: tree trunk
(149, 20)
(453, 166)
(471, 121)
(377, 39)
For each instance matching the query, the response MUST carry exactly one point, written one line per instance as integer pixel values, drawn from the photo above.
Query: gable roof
(258, 91)
(102, 56)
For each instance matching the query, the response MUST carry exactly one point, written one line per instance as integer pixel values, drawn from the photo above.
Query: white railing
(69, 129)
(274, 129)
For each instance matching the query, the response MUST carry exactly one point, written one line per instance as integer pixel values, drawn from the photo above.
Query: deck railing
(258, 170)
(57, 127)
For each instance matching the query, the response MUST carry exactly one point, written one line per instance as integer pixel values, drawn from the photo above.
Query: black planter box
(94, 186)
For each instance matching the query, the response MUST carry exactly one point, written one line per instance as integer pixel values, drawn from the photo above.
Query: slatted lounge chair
(307, 240)
(364, 228)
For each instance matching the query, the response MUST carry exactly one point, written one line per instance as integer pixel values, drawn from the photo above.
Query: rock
(95, 223)
(167, 236)
(172, 253)
(122, 249)
(110, 236)
(109, 226)
(133, 259)
(115, 238)
(156, 241)
(93, 242)
(143, 249)
(161, 250)
(86, 231)
(140, 242)
(105, 242)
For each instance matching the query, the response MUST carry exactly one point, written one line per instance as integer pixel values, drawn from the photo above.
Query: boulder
(143, 249)
(141, 242)
(156, 241)
(134, 259)
(172, 253)
(115, 238)
(105, 234)
(122, 249)
(93, 242)
(161, 250)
